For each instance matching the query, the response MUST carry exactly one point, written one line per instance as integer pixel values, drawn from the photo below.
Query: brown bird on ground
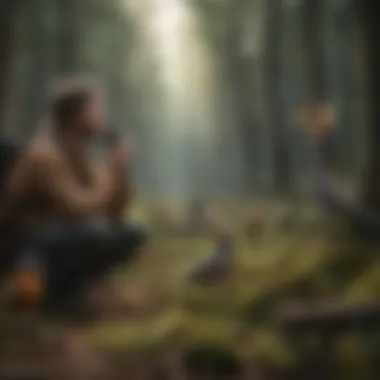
(218, 266)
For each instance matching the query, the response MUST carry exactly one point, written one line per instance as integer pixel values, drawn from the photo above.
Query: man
(70, 209)
(332, 196)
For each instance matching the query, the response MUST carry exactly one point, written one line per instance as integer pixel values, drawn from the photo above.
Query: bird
(218, 265)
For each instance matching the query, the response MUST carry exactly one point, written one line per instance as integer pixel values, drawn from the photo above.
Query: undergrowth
(240, 315)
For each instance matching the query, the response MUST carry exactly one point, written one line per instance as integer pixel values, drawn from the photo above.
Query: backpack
(9, 151)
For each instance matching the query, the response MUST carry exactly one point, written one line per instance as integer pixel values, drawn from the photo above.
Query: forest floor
(237, 320)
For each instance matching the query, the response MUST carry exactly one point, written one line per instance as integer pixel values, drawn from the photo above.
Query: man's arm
(40, 166)
(72, 199)
(119, 166)
(121, 197)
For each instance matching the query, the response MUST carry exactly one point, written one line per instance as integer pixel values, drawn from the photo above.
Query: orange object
(30, 287)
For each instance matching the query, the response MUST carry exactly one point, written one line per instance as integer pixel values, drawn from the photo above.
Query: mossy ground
(241, 314)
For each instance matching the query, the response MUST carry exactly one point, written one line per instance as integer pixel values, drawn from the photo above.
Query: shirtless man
(70, 209)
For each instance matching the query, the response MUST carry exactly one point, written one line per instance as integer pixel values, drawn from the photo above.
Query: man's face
(94, 116)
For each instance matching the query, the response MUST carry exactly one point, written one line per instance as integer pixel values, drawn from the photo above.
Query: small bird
(218, 265)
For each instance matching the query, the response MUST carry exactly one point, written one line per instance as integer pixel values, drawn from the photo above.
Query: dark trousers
(72, 255)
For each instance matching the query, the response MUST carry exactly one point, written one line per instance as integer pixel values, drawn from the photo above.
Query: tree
(274, 97)
(240, 73)
(318, 109)
(8, 14)
(363, 215)
(40, 46)
(63, 37)
(225, 28)
(368, 11)
(70, 34)
(341, 34)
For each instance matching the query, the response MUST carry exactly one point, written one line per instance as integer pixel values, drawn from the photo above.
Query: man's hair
(68, 97)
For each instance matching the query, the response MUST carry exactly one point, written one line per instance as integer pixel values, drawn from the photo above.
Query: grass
(240, 314)
(266, 274)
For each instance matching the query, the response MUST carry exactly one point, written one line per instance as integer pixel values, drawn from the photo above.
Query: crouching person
(69, 207)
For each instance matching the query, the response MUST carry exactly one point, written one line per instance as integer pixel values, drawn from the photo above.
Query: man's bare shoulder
(100, 172)
(42, 152)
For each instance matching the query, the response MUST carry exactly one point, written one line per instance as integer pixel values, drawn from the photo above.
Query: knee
(130, 235)
(88, 234)
(98, 233)
(137, 234)
(42, 239)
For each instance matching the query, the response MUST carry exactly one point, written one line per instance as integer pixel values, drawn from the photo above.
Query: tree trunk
(8, 12)
(313, 55)
(344, 70)
(274, 97)
(69, 36)
(368, 13)
(315, 75)
(363, 216)
(240, 72)
(38, 48)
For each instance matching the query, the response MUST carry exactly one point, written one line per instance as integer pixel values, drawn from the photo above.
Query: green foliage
(240, 316)
(367, 285)
(352, 359)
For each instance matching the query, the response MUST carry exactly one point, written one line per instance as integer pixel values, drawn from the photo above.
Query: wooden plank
(323, 315)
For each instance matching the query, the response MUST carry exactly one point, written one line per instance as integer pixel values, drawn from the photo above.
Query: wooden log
(327, 316)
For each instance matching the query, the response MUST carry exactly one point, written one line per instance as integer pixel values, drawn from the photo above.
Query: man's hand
(119, 165)
(119, 158)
